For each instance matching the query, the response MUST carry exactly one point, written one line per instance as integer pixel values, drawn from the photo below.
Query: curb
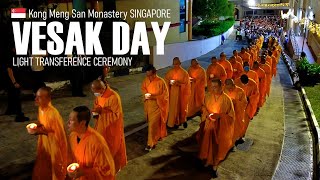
(310, 114)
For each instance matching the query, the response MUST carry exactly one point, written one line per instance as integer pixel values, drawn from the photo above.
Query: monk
(251, 74)
(88, 148)
(110, 121)
(246, 57)
(198, 83)
(273, 64)
(252, 93)
(215, 70)
(239, 101)
(51, 160)
(226, 65)
(237, 68)
(179, 87)
(156, 106)
(267, 70)
(251, 56)
(262, 83)
(237, 57)
(215, 135)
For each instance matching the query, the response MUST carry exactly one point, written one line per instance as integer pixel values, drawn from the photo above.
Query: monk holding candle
(156, 106)
(246, 57)
(51, 160)
(215, 70)
(268, 71)
(237, 57)
(110, 121)
(91, 157)
(215, 135)
(198, 83)
(239, 101)
(179, 87)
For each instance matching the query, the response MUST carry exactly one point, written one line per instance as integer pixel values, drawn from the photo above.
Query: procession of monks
(227, 96)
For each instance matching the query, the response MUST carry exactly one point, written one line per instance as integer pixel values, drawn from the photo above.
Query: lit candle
(147, 95)
(171, 82)
(32, 126)
(95, 113)
(72, 167)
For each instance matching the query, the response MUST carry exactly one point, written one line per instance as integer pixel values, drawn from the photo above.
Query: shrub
(309, 74)
(211, 28)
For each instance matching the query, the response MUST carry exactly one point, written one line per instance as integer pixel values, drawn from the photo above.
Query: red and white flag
(18, 12)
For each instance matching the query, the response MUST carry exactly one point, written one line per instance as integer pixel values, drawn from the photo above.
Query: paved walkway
(17, 149)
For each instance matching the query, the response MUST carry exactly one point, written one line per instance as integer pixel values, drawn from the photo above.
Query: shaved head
(43, 96)
(229, 84)
(194, 62)
(98, 84)
(176, 60)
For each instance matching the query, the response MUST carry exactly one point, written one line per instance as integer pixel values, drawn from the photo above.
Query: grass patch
(313, 94)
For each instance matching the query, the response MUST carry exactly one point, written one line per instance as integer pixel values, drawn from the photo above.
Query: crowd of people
(227, 95)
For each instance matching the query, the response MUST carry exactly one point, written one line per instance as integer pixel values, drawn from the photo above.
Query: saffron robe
(93, 156)
(227, 67)
(216, 137)
(198, 85)
(178, 96)
(156, 110)
(110, 125)
(239, 101)
(51, 160)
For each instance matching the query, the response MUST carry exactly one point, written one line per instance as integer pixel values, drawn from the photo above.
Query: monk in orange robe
(251, 74)
(251, 56)
(88, 148)
(262, 83)
(198, 83)
(239, 101)
(156, 106)
(252, 93)
(237, 68)
(215, 70)
(51, 160)
(110, 121)
(246, 57)
(237, 57)
(253, 53)
(226, 65)
(274, 63)
(215, 135)
(267, 70)
(179, 87)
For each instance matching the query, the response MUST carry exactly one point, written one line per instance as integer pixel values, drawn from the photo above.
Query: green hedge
(309, 74)
(211, 28)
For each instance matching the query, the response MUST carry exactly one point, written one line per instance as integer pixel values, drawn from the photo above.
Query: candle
(211, 75)
(147, 95)
(32, 126)
(72, 167)
(211, 117)
(171, 82)
(95, 113)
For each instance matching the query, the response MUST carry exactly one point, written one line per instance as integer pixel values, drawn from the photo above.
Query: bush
(211, 28)
(309, 74)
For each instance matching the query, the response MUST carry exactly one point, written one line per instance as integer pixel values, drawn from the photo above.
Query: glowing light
(251, 3)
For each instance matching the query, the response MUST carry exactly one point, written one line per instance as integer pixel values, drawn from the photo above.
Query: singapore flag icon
(18, 12)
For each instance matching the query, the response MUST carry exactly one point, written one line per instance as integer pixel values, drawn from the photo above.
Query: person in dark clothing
(13, 86)
(76, 80)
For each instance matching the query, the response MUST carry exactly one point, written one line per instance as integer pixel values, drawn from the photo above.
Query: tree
(212, 9)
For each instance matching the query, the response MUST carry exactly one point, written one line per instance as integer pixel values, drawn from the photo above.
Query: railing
(295, 44)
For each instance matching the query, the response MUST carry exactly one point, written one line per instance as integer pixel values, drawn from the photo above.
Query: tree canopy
(212, 9)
